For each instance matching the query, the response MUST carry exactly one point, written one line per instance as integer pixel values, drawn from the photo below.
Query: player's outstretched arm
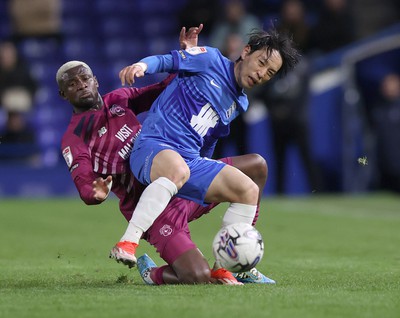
(102, 188)
(158, 63)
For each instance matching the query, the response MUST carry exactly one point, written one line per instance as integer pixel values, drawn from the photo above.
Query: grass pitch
(332, 256)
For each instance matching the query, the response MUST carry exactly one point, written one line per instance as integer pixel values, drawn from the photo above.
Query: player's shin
(152, 202)
(239, 213)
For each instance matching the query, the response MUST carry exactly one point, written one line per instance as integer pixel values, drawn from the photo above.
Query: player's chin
(248, 83)
(86, 99)
(85, 103)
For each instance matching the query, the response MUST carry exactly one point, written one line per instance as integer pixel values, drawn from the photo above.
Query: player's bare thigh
(232, 185)
(254, 166)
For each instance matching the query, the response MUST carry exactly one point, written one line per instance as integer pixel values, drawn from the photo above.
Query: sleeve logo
(182, 54)
(197, 50)
(67, 154)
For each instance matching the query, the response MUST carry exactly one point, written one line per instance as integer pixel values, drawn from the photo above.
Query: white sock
(152, 202)
(239, 213)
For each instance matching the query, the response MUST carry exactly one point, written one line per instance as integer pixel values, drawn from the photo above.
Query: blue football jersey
(198, 104)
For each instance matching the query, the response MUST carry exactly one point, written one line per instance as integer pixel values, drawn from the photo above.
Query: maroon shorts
(170, 233)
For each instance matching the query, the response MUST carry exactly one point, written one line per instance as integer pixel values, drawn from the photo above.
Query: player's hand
(190, 38)
(128, 73)
(102, 188)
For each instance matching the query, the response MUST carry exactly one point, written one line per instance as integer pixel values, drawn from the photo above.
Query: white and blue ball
(238, 247)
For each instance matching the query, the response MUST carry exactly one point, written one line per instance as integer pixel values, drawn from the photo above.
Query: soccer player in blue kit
(171, 154)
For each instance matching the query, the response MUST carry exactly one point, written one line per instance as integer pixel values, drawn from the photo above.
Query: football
(238, 247)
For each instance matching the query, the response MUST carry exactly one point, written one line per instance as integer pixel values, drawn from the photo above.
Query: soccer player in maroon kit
(96, 148)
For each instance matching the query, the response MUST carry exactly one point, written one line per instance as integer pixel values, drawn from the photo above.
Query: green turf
(332, 256)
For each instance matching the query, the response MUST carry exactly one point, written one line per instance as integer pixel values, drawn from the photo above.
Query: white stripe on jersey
(99, 151)
(96, 160)
(96, 164)
(115, 162)
(109, 148)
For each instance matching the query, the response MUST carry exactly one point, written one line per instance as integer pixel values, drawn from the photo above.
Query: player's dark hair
(274, 40)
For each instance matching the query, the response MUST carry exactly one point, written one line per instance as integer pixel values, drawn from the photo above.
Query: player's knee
(261, 167)
(258, 171)
(250, 193)
(178, 174)
(181, 174)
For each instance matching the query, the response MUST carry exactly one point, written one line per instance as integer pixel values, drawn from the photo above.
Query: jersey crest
(117, 110)
(166, 230)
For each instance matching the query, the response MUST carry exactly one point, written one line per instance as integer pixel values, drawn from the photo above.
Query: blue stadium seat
(5, 27)
(122, 48)
(74, 8)
(79, 26)
(117, 64)
(49, 140)
(82, 48)
(162, 45)
(39, 49)
(120, 25)
(159, 6)
(48, 94)
(54, 114)
(160, 25)
(45, 71)
(112, 7)
(3, 6)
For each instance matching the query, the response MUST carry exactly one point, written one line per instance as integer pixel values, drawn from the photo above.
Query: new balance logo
(102, 131)
(212, 82)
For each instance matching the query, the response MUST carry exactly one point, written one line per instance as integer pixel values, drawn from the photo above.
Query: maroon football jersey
(97, 143)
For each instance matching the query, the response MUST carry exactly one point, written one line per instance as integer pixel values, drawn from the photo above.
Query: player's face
(80, 88)
(257, 68)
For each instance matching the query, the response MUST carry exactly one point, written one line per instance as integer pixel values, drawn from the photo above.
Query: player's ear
(246, 51)
(61, 93)
(96, 81)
